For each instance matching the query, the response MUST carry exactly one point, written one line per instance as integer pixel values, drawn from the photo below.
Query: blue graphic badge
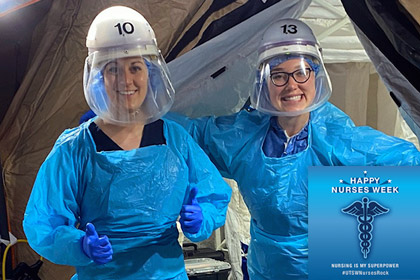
(365, 212)
(362, 224)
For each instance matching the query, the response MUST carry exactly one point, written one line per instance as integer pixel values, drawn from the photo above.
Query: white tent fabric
(396, 83)
(357, 88)
(236, 230)
(334, 31)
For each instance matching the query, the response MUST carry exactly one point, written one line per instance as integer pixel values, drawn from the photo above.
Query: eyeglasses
(281, 78)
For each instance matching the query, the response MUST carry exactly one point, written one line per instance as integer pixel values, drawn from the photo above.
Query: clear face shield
(290, 84)
(127, 85)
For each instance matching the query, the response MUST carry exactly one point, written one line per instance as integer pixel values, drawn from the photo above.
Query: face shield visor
(290, 83)
(128, 85)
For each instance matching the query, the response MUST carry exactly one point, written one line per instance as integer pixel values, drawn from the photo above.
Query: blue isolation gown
(275, 189)
(134, 197)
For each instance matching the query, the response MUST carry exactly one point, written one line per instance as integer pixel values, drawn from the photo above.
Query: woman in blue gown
(107, 197)
(268, 150)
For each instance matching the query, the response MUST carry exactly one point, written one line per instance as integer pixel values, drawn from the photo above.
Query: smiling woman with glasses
(267, 151)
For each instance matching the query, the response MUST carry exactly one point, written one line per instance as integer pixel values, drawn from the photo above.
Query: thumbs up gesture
(191, 214)
(97, 248)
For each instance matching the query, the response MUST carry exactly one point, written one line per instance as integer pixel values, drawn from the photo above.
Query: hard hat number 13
(289, 28)
(125, 28)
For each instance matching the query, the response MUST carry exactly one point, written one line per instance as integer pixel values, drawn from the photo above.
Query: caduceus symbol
(365, 212)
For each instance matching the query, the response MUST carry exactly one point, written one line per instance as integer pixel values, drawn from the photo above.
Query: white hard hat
(119, 33)
(288, 36)
(123, 30)
(119, 26)
(283, 40)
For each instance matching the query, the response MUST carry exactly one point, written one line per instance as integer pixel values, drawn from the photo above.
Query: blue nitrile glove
(191, 214)
(97, 248)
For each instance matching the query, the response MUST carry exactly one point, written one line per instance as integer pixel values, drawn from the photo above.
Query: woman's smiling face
(126, 83)
(292, 96)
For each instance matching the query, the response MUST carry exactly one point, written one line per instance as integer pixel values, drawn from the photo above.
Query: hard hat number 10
(125, 28)
(289, 28)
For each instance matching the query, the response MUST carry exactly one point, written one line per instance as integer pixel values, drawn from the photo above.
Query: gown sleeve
(51, 217)
(213, 192)
(221, 138)
(338, 141)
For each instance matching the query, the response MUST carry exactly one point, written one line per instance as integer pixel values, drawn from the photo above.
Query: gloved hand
(191, 214)
(97, 248)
